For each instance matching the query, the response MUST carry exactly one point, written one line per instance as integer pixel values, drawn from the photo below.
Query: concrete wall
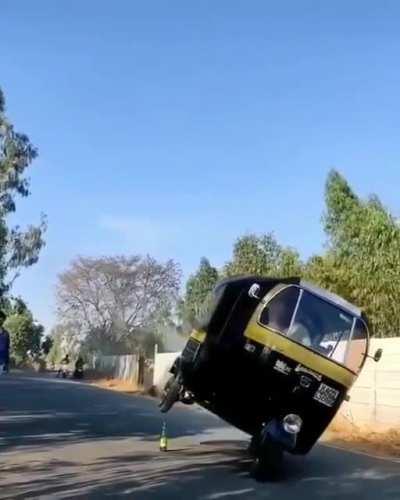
(375, 397)
(120, 367)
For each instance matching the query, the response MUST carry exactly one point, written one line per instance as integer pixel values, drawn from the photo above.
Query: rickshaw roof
(261, 280)
(332, 297)
(269, 282)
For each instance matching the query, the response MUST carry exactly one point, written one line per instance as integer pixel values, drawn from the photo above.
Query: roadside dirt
(115, 385)
(380, 440)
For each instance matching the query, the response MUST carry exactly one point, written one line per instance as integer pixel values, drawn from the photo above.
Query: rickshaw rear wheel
(252, 448)
(171, 393)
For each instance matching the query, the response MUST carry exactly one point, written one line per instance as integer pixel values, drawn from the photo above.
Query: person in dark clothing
(4, 344)
(63, 370)
(79, 364)
(65, 360)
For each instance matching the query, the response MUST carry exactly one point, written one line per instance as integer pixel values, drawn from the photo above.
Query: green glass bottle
(164, 438)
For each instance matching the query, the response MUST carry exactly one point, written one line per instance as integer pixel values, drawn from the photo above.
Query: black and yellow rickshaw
(273, 357)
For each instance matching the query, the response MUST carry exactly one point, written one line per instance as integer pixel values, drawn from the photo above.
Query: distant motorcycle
(78, 373)
(62, 372)
(63, 369)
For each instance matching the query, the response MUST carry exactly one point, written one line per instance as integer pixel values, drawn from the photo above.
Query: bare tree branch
(117, 297)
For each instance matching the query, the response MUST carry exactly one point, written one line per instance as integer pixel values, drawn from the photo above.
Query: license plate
(326, 395)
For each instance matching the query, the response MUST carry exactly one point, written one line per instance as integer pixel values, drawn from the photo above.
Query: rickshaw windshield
(317, 324)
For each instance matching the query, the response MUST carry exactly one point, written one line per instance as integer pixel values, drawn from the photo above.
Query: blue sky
(171, 128)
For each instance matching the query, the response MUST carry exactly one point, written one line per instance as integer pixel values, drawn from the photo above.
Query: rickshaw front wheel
(267, 464)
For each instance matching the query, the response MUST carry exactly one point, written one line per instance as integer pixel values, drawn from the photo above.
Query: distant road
(61, 439)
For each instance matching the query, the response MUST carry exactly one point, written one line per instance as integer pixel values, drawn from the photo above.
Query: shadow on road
(40, 421)
(49, 414)
(207, 472)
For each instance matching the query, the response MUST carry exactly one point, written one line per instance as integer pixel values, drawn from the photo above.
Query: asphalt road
(62, 439)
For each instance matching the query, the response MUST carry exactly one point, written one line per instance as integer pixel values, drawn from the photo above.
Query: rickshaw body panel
(301, 354)
(248, 374)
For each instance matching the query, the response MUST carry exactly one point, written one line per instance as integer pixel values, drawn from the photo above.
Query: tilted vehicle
(274, 358)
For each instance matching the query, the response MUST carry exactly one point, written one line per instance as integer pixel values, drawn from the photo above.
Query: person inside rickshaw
(277, 315)
(309, 321)
(319, 325)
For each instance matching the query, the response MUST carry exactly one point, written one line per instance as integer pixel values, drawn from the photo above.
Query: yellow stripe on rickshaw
(198, 335)
(302, 355)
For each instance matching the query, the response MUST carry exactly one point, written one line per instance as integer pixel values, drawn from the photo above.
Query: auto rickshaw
(274, 358)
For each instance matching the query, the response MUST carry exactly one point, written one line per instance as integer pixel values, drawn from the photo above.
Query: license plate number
(326, 395)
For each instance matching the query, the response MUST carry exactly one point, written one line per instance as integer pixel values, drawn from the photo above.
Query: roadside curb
(360, 452)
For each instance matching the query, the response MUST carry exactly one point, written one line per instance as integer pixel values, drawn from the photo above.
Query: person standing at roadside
(4, 344)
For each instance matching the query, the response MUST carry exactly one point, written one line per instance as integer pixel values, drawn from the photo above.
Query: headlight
(292, 423)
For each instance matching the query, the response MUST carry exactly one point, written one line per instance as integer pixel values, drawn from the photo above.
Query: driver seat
(301, 334)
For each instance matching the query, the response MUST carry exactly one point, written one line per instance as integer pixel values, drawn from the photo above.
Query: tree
(17, 248)
(362, 262)
(263, 256)
(56, 351)
(64, 339)
(198, 286)
(25, 334)
(111, 299)
(47, 344)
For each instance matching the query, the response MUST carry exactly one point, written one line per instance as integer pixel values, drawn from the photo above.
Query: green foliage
(263, 256)
(17, 248)
(198, 286)
(25, 334)
(361, 262)
(363, 258)
(56, 352)
(47, 345)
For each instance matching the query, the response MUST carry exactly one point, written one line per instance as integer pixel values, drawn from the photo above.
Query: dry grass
(377, 440)
(116, 385)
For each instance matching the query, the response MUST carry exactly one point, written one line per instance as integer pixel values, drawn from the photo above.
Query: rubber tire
(267, 465)
(171, 394)
(187, 402)
(252, 448)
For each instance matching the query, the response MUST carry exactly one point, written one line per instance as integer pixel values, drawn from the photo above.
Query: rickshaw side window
(322, 327)
(318, 325)
(357, 347)
(278, 313)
